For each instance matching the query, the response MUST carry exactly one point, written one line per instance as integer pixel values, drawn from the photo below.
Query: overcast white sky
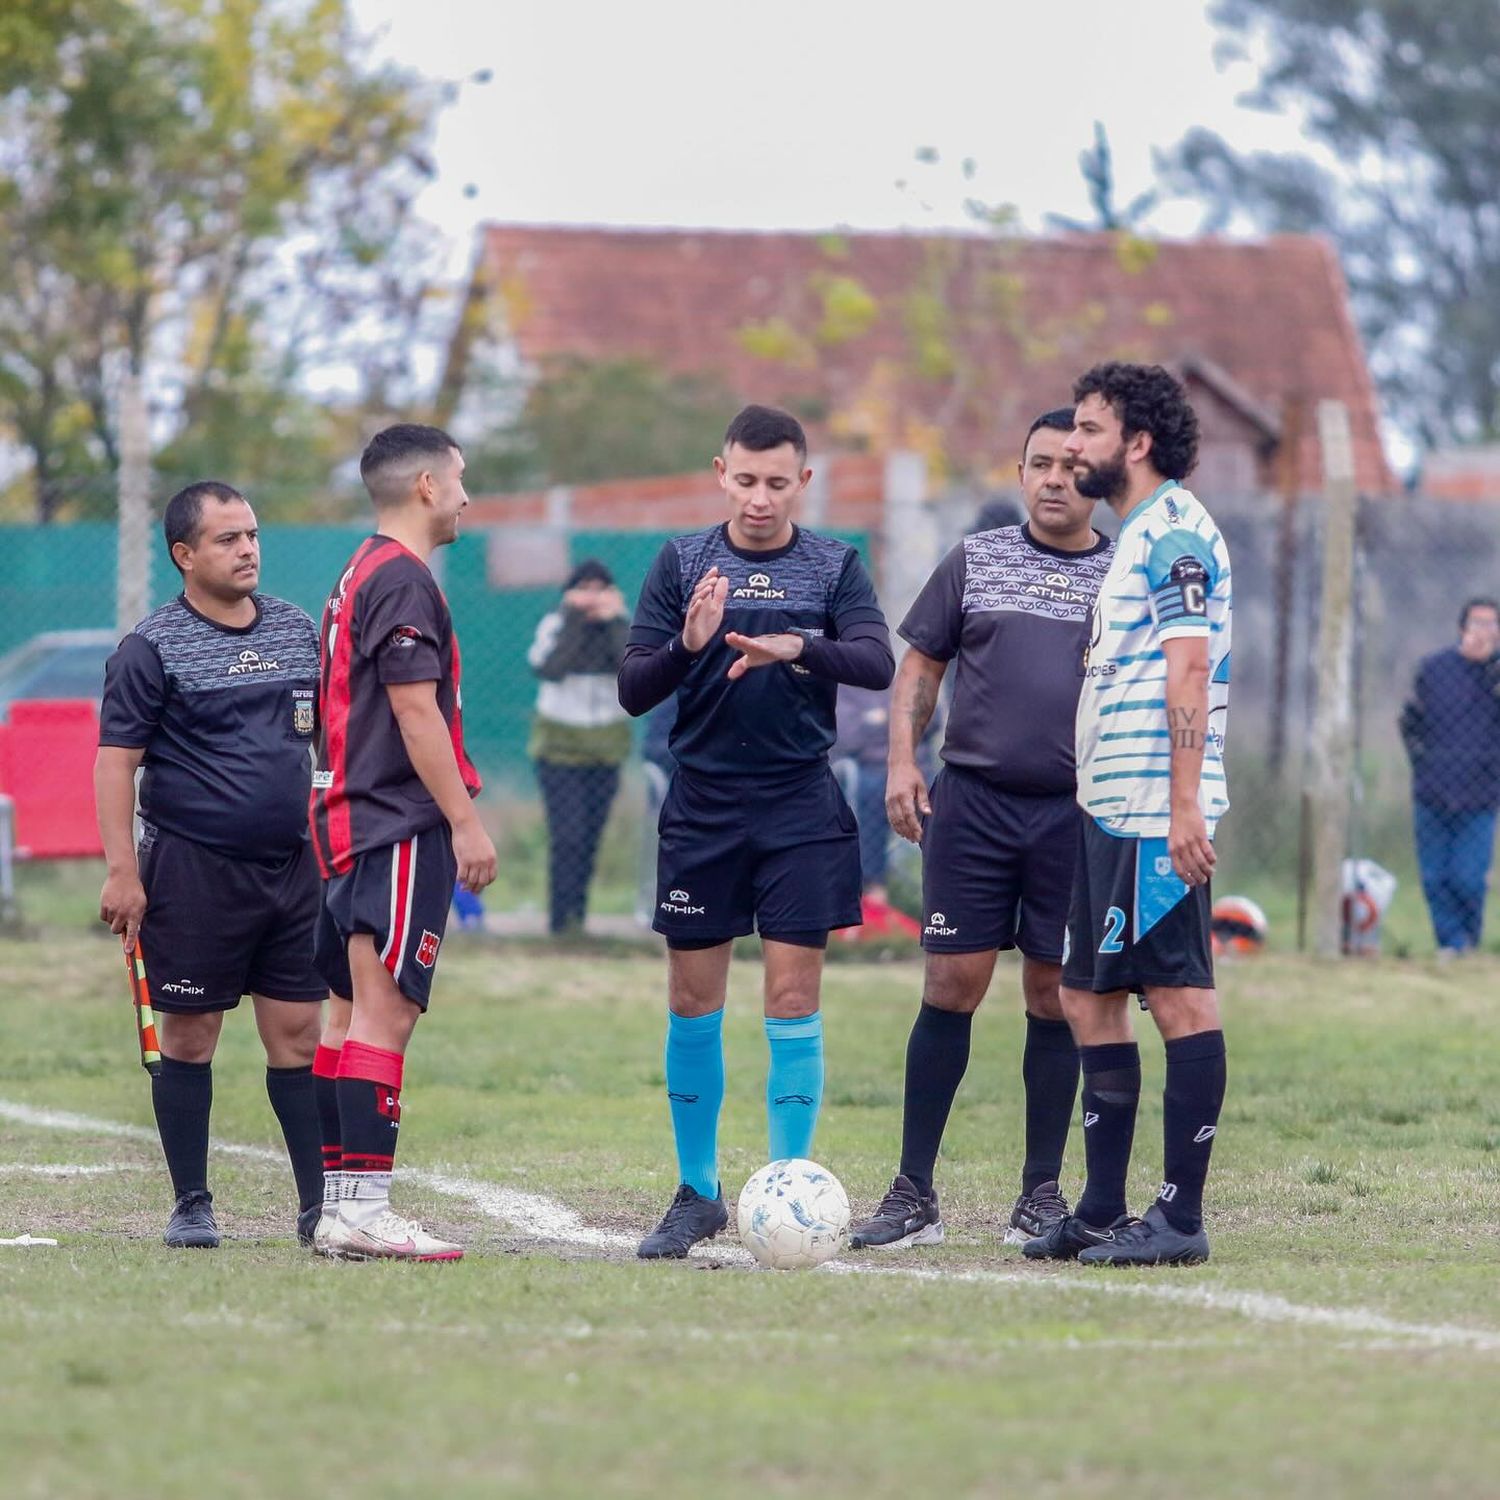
(805, 113)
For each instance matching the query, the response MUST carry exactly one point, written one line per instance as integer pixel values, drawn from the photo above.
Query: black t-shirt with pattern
(777, 720)
(1014, 614)
(226, 716)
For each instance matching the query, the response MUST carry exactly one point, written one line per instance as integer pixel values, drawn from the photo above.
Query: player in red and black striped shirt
(393, 823)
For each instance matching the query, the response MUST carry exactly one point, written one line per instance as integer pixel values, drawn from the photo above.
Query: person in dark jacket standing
(1451, 726)
(580, 735)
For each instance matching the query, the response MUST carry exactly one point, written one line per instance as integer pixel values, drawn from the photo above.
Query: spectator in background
(1451, 728)
(580, 735)
(864, 722)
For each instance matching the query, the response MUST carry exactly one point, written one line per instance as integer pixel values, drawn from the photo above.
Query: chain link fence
(573, 816)
(1425, 754)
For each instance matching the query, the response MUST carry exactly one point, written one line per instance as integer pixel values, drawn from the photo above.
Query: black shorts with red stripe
(400, 895)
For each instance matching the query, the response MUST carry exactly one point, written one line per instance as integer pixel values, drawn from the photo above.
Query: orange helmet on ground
(1238, 925)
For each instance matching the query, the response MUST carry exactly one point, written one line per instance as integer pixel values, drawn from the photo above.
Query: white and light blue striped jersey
(1169, 579)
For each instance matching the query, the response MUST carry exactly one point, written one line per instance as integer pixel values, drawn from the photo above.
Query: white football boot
(385, 1237)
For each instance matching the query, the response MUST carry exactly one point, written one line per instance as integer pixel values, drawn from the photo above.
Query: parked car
(56, 664)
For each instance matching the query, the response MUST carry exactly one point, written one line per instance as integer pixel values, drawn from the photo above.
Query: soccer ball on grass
(792, 1215)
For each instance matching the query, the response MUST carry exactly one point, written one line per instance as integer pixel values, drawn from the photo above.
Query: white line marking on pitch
(543, 1218)
(63, 1169)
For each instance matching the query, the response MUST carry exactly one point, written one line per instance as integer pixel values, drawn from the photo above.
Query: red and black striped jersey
(386, 622)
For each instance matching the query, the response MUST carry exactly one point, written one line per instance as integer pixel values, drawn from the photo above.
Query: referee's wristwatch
(807, 635)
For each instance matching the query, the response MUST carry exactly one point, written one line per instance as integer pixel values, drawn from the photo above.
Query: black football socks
(1191, 1103)
(182, 1095)
(937, 1054)
(293, 1096)
(1111, 1094)
(1049, 1070)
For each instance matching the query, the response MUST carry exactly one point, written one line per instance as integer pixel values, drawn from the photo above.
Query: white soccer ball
(792, 1215)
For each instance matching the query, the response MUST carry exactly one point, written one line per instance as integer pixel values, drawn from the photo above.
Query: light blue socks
(695, 1091)
(794, 1085)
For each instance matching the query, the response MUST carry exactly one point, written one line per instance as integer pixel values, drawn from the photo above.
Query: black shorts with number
(1133, 922)
(734, 856)
(217, 927)
(400, 895)
(997, 868)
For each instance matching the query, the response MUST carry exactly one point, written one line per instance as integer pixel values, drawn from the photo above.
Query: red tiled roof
(840, 323)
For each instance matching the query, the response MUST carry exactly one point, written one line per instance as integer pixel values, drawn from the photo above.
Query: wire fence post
(908, 534)
(1289, 484)
(133, 571)
(1332, 730)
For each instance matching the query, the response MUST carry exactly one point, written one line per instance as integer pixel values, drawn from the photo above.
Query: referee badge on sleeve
(302, 711)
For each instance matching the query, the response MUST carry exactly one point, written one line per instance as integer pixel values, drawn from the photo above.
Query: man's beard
(1103, 481)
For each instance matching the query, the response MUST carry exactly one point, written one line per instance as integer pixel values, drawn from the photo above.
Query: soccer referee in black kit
(214, 693)
(753, 624)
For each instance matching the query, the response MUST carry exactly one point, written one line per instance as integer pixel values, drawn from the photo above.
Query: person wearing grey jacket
(580, 735)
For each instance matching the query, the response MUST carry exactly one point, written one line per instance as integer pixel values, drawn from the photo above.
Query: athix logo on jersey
(252, 661)
(937, 926)
(182, 987)
(1090, 1117)
(427, 949)
(680, 904)
(758, 586)
(1060, 589)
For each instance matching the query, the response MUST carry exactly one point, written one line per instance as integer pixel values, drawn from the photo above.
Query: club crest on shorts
(427, 949)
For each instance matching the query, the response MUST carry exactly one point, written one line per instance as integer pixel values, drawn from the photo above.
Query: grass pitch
(1345, 1338)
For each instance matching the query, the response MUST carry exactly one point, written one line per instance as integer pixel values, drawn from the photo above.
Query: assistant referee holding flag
(214, 695)
(753, 624)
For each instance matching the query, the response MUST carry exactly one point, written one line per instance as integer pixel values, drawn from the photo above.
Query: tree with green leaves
(581, 421)
(214, 199)
(1402, 101)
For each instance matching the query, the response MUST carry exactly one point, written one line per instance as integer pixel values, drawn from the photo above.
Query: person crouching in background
(580, 735)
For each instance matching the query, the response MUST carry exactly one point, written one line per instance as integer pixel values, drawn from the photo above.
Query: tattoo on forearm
(923, 701)
(1185, 734)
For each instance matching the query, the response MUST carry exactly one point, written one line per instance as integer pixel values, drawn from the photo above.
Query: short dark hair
(1470, 605)
(184, 513)
(761, 428)
(396, 445)
(1147, 398)
(1059, 419)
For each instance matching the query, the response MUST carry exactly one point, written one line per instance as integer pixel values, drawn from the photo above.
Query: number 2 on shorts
(1114, 925)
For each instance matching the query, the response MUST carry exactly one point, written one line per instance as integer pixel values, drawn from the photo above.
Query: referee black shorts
(734, 857)
(217, 927)
(1133, 923)
(997, 868)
